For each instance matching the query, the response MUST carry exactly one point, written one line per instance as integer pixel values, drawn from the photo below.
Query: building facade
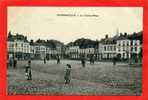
(18, 47)
(124, 47)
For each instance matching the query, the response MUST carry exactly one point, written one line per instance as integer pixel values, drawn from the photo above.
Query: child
(67, 74)
(28, 74)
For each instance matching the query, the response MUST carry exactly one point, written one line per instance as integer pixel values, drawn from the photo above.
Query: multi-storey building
(89, 52)
(18, 47)
(39, 50)
(72, 52)
(122, 46)
(75, 52)
(108, 47)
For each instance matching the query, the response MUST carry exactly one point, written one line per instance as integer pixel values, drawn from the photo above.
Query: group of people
(28, 72)
(58, 60)
(67, 76)
(83, 61)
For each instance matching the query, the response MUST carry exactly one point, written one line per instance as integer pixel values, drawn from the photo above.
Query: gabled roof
(17, 37)
(108, 41)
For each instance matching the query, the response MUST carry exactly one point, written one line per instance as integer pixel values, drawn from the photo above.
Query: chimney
(125, 34)
(106, 36)
(121, 34)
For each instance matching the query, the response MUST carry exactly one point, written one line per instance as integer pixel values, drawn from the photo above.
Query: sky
(67, 24)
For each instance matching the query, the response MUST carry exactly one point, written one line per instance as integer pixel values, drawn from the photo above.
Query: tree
(31, 42)
(84, 43)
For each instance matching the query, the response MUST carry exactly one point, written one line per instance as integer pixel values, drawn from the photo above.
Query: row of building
(121, 46)
(22, 49)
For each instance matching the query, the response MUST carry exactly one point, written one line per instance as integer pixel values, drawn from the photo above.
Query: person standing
(67, 76)
(44, 60)
(28, 72)
(10, 63)
(58, 60)
(114, 61)
(90, 59)
(14, 63)
(83, 62)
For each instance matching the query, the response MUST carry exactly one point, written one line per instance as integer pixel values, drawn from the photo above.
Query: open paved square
(102, 78)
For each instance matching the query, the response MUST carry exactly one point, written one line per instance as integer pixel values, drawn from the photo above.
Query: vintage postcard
(74, 50)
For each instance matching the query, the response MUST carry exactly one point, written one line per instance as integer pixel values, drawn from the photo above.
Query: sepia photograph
(74, 51)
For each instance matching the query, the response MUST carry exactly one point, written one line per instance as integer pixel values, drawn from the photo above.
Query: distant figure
(29, 63)
(83, 62)
(114, 61)
(28, 73)
(92, 60)
(67, 76)
(10, 62)
(14, 63)
(44, 60)
(58, 59)
(136, 59)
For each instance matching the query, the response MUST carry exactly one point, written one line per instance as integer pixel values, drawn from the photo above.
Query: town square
(99, 79)
(101, 74)
(66, 51)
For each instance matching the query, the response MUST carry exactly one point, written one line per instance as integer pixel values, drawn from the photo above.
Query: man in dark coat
(44, 60)
(83, 62)
(67, 76)
(14, 63)
(58, 60)
(114, 61)
(92, 59)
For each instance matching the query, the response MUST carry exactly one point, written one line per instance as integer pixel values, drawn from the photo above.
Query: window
(123, 43)
(119, 44)
(135, 48)
(131, 48)
(110, 48)
(119, 49)
(131, 42)
(104, 48)
(123, 55)
(123, 49)
(127, 43)
(16, 44)
(114, 48)
(135, 43)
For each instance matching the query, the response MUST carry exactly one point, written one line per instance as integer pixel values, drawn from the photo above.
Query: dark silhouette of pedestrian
(83, 62)
(28, 72)
(58, 60)
(67, 76)
(14, 63)
(44, 60)
(10, 63)
(92, 59)
(114, 61)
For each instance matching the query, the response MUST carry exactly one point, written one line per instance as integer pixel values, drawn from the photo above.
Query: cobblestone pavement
(102, 78)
